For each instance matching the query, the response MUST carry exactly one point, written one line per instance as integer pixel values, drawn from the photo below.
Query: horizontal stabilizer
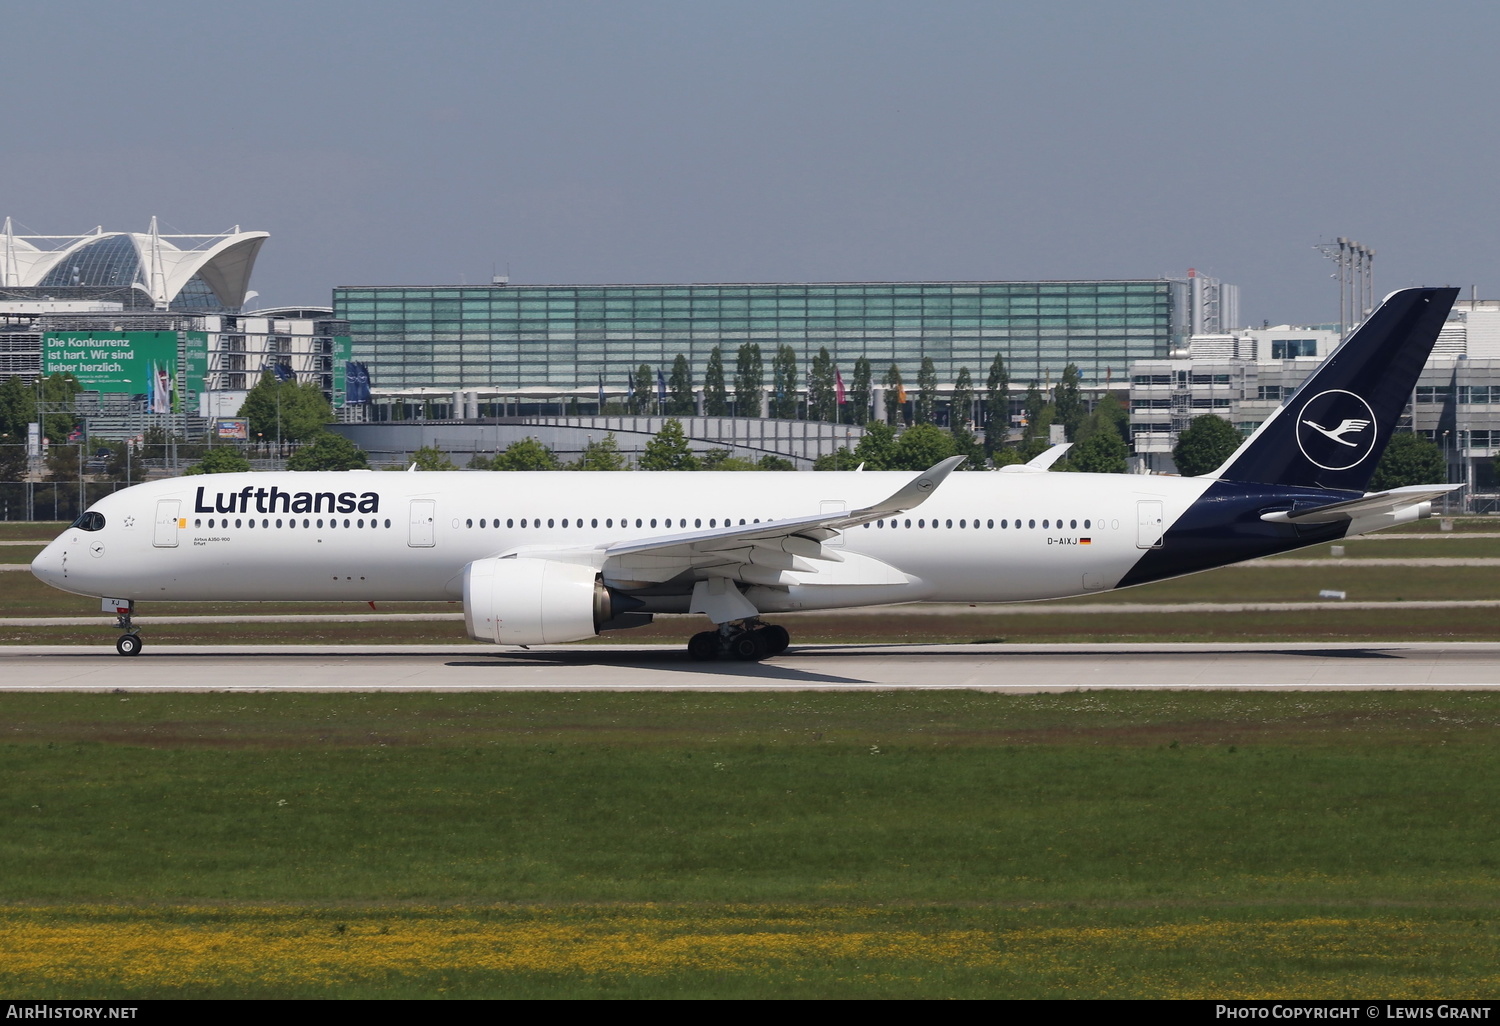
(1368, 506)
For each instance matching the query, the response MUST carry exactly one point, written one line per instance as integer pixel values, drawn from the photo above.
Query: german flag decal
(1085, 541)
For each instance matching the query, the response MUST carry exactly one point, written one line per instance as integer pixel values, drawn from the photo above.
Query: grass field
(875, 844)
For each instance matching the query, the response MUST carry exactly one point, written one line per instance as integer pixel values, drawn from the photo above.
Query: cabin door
(166, 523)
(1148, 519)
(423, 524)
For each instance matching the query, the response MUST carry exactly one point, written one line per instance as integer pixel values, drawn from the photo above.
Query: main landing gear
(747, 640)
(129, 643)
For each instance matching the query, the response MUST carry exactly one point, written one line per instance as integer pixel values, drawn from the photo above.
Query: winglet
(917, 490)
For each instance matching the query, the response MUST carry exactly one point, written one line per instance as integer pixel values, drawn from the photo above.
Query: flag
(158, 388)
(838, 385)
(900, 392)
(661, 387)
(283, 371)
(601, 393)
(356, 382)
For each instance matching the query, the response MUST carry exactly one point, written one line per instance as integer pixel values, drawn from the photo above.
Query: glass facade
(570, 338)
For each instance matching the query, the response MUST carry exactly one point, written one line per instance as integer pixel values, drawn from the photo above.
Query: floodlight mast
(1356, 275)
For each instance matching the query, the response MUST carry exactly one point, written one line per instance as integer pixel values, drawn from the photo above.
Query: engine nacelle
(533, 601)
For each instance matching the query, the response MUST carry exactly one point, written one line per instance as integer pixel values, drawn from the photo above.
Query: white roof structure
(159, 266)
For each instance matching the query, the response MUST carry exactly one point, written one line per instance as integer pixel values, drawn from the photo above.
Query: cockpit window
(90, 521)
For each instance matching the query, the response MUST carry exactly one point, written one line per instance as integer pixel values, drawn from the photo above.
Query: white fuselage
(980, 537)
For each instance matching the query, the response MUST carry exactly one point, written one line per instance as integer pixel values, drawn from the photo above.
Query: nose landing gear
(747, 640)
(128, 643)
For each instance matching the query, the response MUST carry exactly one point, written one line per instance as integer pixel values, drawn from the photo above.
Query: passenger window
(697, 522)
(1044, 525)
(320, 521)
(1031, 523)
(387, 523)
(278, 523)
(992, 523)
(237, 522)
(523, 521)
(638, 522)
(198, 523)
(565, 522)
(908, 523)
(469, 522)
(1085, 524)
(594, 522)
(949, 523)
(1072, 523)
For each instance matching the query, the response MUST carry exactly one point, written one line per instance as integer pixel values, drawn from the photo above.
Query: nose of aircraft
(47, 567)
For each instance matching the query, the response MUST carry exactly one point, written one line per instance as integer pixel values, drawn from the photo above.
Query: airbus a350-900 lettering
(557, 557)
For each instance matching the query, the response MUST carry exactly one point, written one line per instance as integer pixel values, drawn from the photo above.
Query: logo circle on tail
(1336, 430)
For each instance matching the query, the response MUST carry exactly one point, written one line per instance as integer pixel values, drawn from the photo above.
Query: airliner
(542, 558)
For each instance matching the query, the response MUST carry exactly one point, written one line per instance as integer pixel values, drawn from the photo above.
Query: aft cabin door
(1148, 524)
(423, 524)
(166, 523)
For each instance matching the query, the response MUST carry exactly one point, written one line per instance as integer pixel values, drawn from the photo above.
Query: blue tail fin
(1332, 431)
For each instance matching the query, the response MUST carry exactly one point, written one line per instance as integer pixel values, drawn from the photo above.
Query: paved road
(1011, 668)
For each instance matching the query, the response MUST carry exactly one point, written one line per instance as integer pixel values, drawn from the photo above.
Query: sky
(587, 142)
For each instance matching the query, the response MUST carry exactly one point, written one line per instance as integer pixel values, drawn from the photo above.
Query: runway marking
(1000, 668)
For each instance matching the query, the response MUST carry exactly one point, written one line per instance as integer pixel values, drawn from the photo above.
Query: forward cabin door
(423, 523)
(1149, 526)
(166, 523)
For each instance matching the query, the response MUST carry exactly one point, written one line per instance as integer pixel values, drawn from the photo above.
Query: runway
(1002, 668)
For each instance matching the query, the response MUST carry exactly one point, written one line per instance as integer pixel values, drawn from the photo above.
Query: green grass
(1127, 844)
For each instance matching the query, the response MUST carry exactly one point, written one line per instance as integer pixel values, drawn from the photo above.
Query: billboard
(129, 362)
(233, 429)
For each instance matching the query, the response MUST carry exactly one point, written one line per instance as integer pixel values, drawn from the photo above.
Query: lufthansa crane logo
(1336, 430)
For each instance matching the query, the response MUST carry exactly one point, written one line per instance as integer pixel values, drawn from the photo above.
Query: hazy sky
(427, 143)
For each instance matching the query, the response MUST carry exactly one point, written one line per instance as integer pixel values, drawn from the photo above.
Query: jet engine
(536, 601)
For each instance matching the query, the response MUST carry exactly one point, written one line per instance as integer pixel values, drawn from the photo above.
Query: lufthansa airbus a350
(556, 557)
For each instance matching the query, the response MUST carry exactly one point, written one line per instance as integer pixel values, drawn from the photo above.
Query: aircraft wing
(1369, 505)
(753, 553)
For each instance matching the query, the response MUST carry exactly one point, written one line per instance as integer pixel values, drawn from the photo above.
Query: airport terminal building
(541, 343)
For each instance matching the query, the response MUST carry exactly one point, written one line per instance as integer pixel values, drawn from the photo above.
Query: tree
(1102, 453)
(1204, 445)
(996, 405)
(63, 462)
(17, 407)
(1067, 399)
(1108, 414)
(715, 395)
(58, 391)
(525, 454)
(860, 391)
(1409, 459)
(721, 459)
(840, 459)
(961, 412)
(680, 401)
(749, 381)
(784, 383)
(927, 393)
(13, 461)
(290, 410)
(877, 450)
(430, 457)
(822, 390)
(328, 451)
(601, 455)
(921, 446)
(669, 450)
(1039, 414)
(125, 462)
(895, 395)
(775, 463)
(221, 459)
(642, 391)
